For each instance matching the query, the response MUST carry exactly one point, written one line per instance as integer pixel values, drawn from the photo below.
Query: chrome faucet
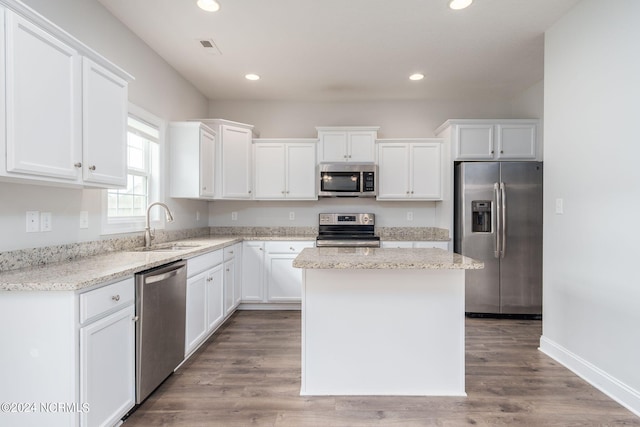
(147, 229)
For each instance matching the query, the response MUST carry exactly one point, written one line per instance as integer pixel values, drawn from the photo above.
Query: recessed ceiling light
(459, 4)
(209, 5)
(416, 77)
(252, 77)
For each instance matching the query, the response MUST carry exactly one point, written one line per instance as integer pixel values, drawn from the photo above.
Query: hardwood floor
(248, 374)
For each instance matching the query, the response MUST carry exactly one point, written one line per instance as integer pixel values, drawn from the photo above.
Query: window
(125, 209)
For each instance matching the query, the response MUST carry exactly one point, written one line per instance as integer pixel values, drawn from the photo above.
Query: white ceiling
(349, 49)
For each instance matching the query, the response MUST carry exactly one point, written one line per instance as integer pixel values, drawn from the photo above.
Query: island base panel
(383, 332)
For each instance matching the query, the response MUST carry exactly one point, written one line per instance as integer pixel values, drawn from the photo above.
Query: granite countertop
(94, 270)
(384, 258)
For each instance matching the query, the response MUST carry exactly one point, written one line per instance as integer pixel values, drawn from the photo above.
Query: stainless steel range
(347, 230)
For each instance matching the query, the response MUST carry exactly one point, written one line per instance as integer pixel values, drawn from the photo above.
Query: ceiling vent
(210, 46)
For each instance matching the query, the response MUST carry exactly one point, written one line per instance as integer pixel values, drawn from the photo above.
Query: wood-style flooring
(248, 374)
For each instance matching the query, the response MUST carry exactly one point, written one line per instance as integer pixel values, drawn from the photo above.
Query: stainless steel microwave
(348, 180)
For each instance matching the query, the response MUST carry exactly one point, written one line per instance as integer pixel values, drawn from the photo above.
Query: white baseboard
(270, 306)
(612, 387)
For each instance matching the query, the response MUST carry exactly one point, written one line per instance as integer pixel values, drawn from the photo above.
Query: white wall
(397, 119)
(158, 88)
(591, 292)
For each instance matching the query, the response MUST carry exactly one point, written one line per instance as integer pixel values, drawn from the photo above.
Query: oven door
(340, 184)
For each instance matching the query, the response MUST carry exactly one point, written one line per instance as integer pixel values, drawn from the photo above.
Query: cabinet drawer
(203, 262)
(106, 299)
(230, 251)
(287, 247)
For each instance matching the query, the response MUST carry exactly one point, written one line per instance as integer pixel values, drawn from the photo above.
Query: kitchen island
(383, 321)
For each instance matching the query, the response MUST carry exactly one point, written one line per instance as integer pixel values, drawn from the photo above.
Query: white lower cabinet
(415, 244)
(232, 277)
(252, 271)
(268, 274)
(205, 298)
(107, 368)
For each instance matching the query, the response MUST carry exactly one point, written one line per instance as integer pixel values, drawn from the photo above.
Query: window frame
(118, 225)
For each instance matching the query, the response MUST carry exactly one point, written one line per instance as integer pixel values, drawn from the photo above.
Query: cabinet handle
(349, 155)
(230, 252)
(134, 318)
(204, 188)
(501, 151)
(291, 247)
(282, 192)
(92, 167)
(345, 156)
(261, 249)
(249, 191)
(407, 191)
(77, 165)
(116, 298)
(287, 191)
(227, 269)
(491, 151)
(411, 191)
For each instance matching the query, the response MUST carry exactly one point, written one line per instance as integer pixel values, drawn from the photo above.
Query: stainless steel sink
(170, 247)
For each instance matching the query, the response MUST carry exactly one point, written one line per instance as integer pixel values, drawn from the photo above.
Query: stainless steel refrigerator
(498, 220)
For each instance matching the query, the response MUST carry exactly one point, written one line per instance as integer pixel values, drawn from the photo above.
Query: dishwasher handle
(163, 275)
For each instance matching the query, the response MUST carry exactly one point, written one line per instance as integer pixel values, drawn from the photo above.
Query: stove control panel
(347, 219)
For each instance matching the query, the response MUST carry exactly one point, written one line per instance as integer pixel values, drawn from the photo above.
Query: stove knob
(365, 219)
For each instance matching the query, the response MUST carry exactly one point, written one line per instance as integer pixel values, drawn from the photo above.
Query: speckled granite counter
(383, 258)
(89, 271)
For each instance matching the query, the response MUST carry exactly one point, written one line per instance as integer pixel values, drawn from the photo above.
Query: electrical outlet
(234, 216)
(33, 221)
(409, 216)
(84, 219)
(559, 206)
(45, 221)
(197, 215)
(292, 216)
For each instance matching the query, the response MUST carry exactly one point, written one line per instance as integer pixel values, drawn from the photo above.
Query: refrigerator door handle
(503, 225)
(496, 190)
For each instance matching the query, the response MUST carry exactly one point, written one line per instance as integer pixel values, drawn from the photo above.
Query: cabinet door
(237, 277)
(107, 368)
(393, 173)
(362, 146)
(301, 171)
(104, 126)
(43, 102)
(196, 321)
(425, 171)
(229, 279)
(333, 146)
(252, 271)
(270, 171)
(474, 142)
(516, 141)
(236, 162)
(284, 283)
(207, 162)
(215, 297)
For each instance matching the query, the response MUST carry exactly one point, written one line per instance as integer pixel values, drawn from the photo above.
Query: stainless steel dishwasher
(160, 329)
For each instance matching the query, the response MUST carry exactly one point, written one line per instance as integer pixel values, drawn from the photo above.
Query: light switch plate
(234, 216)
(559, 206)
(45, 221)
(84, 219)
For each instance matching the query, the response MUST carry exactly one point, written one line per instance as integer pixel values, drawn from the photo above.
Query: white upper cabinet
(347, 144)
(65, 107)
(409, 169)
(234, 159)
(104, 125)
(285, 169)
(192, 160)
(43, 102)
(492, 139)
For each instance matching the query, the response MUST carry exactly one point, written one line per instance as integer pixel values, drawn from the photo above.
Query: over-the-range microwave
(348, 179)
